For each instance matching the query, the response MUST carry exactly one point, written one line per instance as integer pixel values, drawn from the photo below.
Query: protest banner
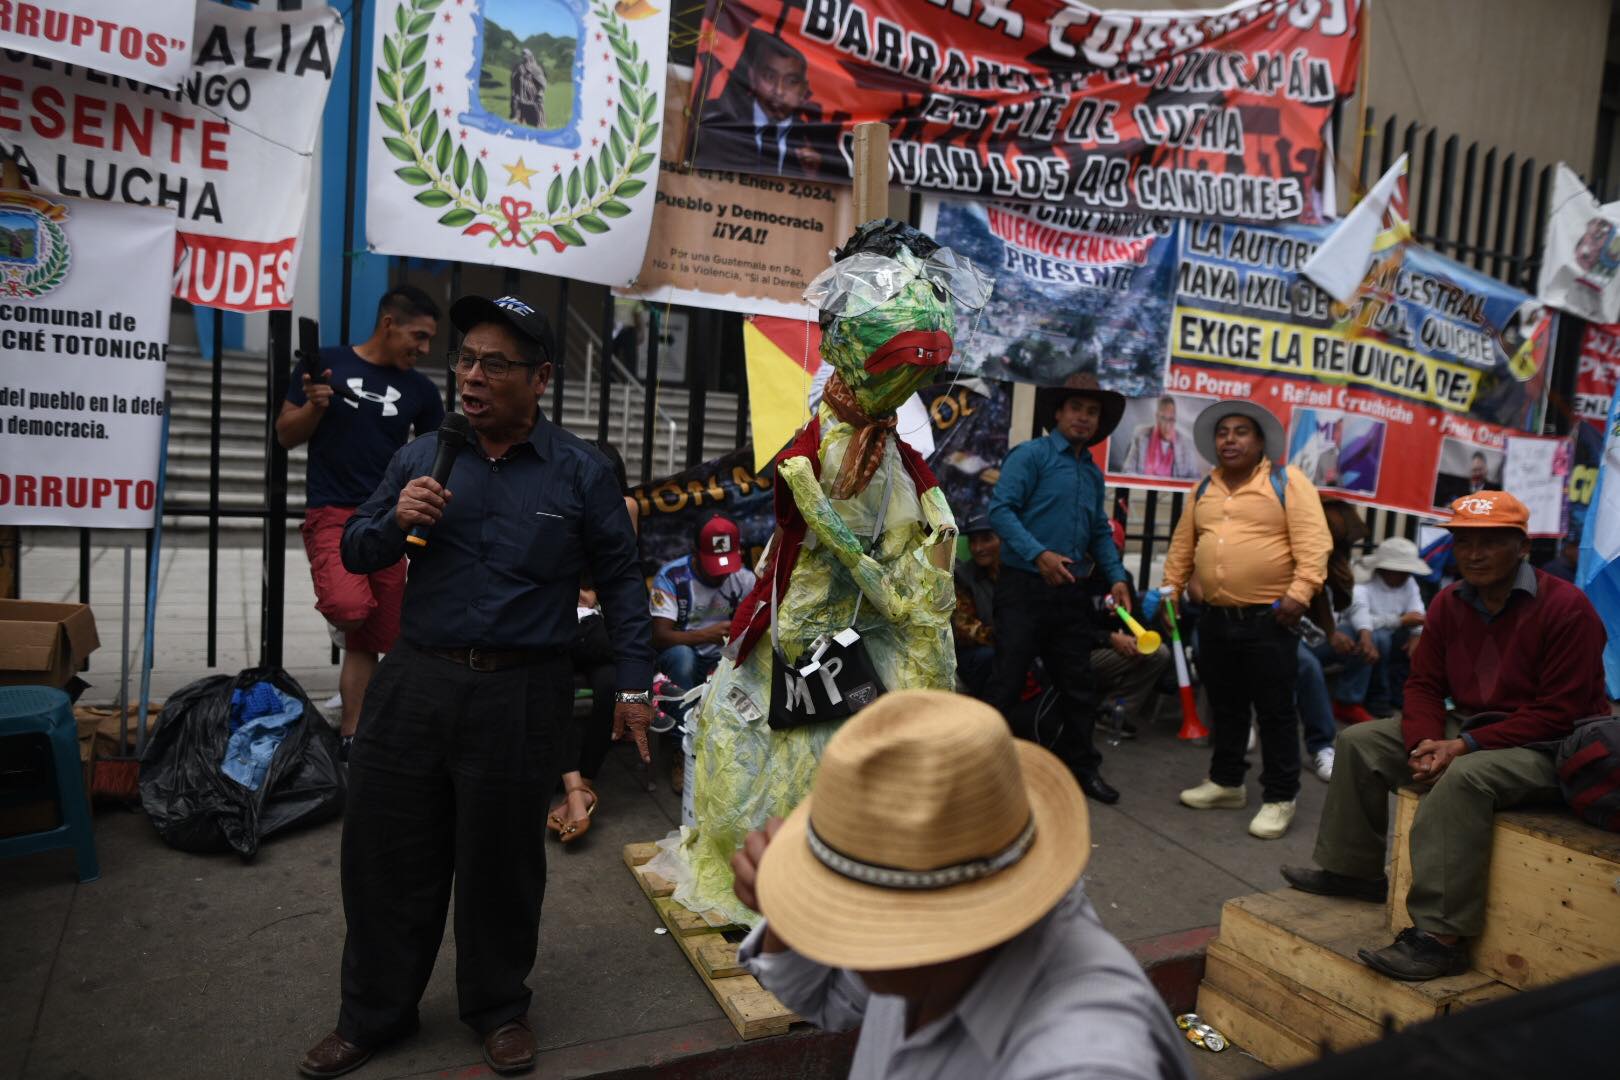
(1404, 401)
(84, 332)
(1598, 372)
(1536, 469)
(731, 241)
(1582, 252)
(519, 133)
(1075, 292)
(1202, 114)
(149, 42)
(970, 419)
(229, 153)
(675, 507)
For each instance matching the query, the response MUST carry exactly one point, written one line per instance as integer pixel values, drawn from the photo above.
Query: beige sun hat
(1398, 553)
(931, 834)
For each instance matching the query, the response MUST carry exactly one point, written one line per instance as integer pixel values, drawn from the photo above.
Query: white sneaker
(1272, 820)
(1212, 796)
(1324, 764)
(1254, 738)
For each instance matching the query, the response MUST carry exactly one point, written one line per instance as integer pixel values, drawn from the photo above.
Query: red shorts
(373, 600)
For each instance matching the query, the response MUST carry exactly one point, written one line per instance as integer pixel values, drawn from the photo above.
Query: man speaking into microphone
(464, 727)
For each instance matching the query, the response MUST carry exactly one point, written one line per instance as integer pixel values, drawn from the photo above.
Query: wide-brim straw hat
(1271, 428)
(1048, 399)
(1398, 553)
(931, 834)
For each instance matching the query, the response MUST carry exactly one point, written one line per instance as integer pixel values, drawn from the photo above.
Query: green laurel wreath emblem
(40, 279)
(577, 203)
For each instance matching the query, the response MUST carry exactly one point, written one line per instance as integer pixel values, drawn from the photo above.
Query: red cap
(719, 547)
(1489, 510)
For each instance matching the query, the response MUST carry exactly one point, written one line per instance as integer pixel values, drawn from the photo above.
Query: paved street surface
(175, 965)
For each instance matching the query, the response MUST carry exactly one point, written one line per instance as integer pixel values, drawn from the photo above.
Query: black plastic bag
(196, 807)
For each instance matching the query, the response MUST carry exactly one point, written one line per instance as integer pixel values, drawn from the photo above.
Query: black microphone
(452, 437)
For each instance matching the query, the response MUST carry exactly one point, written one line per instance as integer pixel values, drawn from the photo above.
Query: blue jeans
(1377, 685)
(1315, 709)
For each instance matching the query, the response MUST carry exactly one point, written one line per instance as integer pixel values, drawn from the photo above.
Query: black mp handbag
(835, 678)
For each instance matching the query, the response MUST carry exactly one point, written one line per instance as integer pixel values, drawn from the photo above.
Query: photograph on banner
(1598, 373)
(1075, 292)
(1204, 113)
(1536, 468)
(234, 167)
(1465, 466)
(149, 42)
(520, 133)
(1154, 440)
(731, 241)
(1336, 449)
(84, 337)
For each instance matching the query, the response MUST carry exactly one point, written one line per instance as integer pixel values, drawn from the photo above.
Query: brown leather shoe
(333, 1056)
(510, 1047)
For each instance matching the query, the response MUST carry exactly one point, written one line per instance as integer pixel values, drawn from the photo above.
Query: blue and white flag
(1599, 572)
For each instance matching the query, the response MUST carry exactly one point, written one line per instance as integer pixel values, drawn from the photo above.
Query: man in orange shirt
(1258, 542)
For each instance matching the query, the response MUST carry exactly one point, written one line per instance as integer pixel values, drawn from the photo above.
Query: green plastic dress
(745, 772)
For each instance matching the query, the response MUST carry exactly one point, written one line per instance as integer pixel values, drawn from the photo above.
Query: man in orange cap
(1519, 654)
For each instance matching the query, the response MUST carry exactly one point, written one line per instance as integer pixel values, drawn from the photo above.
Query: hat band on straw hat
(890, 877)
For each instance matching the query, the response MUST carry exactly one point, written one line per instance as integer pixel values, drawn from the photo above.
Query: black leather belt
(494, 659)
(1242, 613)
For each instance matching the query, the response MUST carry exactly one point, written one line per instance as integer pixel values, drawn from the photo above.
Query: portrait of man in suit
(762, 120)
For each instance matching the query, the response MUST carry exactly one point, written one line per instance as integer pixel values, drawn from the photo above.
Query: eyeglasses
(495, 366)
(862, 282)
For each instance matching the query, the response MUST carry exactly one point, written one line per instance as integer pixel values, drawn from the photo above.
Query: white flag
(1378, 222)
(1582, 254)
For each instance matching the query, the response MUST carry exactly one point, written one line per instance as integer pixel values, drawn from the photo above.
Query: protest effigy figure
(864, 542)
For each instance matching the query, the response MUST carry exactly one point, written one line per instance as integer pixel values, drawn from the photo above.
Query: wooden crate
(1552, 907)
(752, 1009)
(1313, 941)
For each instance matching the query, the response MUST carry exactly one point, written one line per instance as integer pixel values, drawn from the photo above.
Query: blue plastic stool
(26, 710)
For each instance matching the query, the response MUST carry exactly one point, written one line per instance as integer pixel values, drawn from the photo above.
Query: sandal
(574, 830)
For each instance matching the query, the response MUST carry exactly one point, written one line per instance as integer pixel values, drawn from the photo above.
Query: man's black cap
(526, 322)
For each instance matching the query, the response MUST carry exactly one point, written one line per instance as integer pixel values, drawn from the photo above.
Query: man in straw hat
(1519, 655)
(1048, 510)
(929, 891)
(1256, 538)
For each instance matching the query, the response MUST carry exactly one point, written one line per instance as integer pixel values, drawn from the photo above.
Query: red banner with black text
(1214, 113)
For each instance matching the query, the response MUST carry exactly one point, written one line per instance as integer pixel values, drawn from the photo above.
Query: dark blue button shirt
(502, 567)
(1047, 499)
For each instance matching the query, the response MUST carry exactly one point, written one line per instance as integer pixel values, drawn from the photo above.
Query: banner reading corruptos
(1404, 401)
(731, 241)
(149, 41)
(520, 133)
(1201, 114)
(229, 153)
(84, 331)
(1075, 292)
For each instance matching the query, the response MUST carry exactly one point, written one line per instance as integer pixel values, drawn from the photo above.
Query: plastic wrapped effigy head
(888, 311)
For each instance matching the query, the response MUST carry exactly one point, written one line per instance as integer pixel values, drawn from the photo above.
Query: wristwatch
(633, 697)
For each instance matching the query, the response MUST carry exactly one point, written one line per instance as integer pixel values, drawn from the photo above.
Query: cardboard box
(44, 644)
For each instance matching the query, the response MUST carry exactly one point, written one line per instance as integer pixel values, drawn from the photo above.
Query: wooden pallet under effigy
(712, 950)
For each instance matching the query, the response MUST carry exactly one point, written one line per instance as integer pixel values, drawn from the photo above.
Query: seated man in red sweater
(1519, 654)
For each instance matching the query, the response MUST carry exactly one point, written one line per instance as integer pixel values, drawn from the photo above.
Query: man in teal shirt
(1048, 510)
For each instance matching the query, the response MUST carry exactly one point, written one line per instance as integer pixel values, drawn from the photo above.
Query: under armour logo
(512, 303)
(386, 399)
(1476, 506)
